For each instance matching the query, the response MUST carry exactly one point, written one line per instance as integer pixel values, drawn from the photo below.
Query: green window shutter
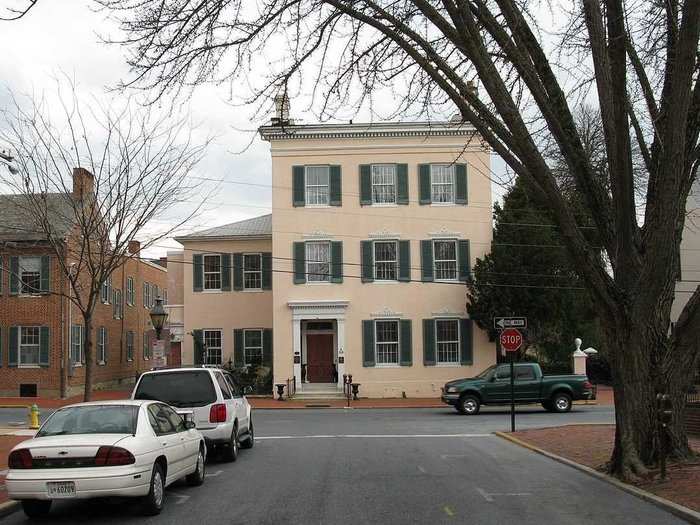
(2, 278)
(466, 342)
(406, 343)
(44, 346)
(197, 273)
(336, 186)
(238, 271)
(106, 345)
(461, 184)
(198, 337)
(465, 267)
(1, 347)
(402, 184)
(266, 271)
(14, 275)
(12, 343)
(426, 260)
(368, 343)
(238, 350)
(365, 184)
(429, 342)
(424, 183)
(337, 261)
(298, 186)
(267, 347)
(225, 272)
(404, 261)
(366, 247)
(45, 274)
(299, 263)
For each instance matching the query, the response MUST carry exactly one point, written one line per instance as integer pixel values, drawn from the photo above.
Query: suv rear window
(191, 388)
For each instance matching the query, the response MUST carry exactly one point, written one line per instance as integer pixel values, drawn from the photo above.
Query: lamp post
(158, 316)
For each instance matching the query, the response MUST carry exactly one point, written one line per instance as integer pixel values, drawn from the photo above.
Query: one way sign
(501, 323)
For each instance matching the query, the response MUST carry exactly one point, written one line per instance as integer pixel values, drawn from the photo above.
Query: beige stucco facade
(222, 310)
(351, 302)
(690, 254)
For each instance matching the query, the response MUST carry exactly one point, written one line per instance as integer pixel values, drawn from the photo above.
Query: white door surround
(318, 310)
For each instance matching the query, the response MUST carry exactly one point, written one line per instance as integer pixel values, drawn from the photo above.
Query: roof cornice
(194, 238)
(367, 130)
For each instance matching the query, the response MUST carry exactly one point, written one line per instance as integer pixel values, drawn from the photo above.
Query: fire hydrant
(34, 416)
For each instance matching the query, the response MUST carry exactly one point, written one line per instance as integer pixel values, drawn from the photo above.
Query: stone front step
(330, 394)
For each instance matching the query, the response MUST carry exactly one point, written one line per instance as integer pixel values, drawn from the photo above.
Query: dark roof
(255, 227)
(19, 223)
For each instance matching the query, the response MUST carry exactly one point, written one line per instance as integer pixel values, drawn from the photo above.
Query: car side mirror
(247, 390)
(189, 424)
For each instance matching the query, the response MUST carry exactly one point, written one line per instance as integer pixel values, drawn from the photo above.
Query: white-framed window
(318, 261)
(29, 275)
(385, 261)
(146, 347)
(445, 259)
(253, 347)
(383, 183)
(102, 345)
(317, 185)
(212, 272)
(212, 347)
(130, 346)
(442, 183)
(447, 341)
(29, 343)
(252, 271)
(130, 293)
(386, 346)
(117, 306)
(76, 343)
(106, 291)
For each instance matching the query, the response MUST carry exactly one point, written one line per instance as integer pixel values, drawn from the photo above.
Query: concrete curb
(8, 508)
(282, 407)
(677, 510)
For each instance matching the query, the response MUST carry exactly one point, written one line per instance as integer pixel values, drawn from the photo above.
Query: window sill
(385, 365)
(29, 295)
(101, 363)
(453, 281)
(385, 282)
(384, 205)
(317, 206)
(253, 290)
(212, 291)
(28, 366)
(129, 360)
(443, 204)
(77, 365)
(319, 283)
(449, 365)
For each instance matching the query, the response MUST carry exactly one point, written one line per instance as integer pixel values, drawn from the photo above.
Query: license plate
(61, 489)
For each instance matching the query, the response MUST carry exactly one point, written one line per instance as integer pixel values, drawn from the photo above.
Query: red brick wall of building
(53, 311)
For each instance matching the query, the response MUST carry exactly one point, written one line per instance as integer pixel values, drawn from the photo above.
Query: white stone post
(579, 358)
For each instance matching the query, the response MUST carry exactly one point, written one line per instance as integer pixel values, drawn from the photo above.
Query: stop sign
(511, 339)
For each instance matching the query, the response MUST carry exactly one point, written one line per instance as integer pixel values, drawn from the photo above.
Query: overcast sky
(61, 37)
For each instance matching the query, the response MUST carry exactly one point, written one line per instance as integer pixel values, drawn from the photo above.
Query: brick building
(41, 332)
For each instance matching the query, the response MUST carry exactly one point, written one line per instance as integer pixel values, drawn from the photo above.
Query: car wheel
(36, 508)
(153, 502)
(249, 441)
(468, 405)
(548, 406)
(231, 448)
(561, 402)
(197, 477)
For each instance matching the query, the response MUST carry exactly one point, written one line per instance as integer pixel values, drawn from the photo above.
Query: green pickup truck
(492, 387)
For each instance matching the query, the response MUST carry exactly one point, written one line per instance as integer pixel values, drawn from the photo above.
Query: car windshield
(486, 373)
(191, 388)
(91, 419)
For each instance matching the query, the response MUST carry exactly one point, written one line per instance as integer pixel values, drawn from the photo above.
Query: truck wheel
(548, 406)
(468, 405)
(561, 402)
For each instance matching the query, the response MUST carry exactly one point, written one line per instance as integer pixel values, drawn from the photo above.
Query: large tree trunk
(642, 367)
(87, 395)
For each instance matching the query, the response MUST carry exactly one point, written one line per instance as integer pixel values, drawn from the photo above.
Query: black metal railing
(291, 387)
(693, 398)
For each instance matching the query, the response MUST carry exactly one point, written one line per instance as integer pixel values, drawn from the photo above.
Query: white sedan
(109, 448)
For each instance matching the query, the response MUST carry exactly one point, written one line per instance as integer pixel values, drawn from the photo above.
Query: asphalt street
(387, 467)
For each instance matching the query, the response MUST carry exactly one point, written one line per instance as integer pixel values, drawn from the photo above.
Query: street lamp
(158, 316)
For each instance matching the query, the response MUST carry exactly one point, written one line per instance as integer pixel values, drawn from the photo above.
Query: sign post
(511, 340)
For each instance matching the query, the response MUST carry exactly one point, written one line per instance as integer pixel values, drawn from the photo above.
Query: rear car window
(190, 388)
(91, 419)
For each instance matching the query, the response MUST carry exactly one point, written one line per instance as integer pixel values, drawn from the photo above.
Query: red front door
(319, 358)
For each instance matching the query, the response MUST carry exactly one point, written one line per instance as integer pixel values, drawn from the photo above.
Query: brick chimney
(83, 183)
(134, 247)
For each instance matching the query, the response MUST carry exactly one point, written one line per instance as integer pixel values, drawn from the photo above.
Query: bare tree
(130, 168)
(16, 9)
(638, 59)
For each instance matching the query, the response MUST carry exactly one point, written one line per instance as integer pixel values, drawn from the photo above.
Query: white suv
(210, 398)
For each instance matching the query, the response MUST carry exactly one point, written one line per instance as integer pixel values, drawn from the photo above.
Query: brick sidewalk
(592, 445)
(269, 403)
(44, 402)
